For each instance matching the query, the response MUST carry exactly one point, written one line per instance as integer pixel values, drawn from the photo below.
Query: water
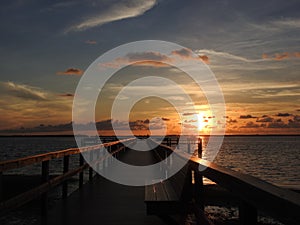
(275, 159)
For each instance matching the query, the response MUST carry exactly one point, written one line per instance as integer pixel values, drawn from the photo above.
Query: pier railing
(253, 195)
(46, 183)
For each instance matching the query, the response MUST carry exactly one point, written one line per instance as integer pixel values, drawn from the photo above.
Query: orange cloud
(264, 56)
(281, 56)
(71, 71)
(204, 58)
(188, 54)
(91, 42)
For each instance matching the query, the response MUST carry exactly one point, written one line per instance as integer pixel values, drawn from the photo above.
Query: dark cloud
(283, 114)
(231, 121)
(188, 114)
(144, 56)
(71, 71)
(184, 52)
(251, 125)
(204, 58)
(66, 95)
(265, 120)
(165, 119)
(247, 116)
(188, 54)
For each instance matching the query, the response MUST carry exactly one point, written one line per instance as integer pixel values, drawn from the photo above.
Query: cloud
(154, 59)
(71, 71)
(283, 114)
(265, 120)
(250, 125)
(22, 91)
(119, 11)
(247, 116)
(189, 54)
(204, 58)
(225, 55)
(287, 23)
(91, 42)
(66, 95)
(281, 56)
(26, 106)
(231, 121)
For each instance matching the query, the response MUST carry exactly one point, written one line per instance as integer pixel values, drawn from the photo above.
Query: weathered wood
(65, 170)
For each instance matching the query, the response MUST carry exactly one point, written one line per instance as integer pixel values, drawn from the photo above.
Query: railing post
(247, 214)
(81, 161)
(1, 187)
(198, 191)
(199, 148)
(65, 170)
(90, 168)
(98, 159)
(45, 178)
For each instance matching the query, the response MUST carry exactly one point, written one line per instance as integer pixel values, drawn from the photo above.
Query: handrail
(277, 202)
(29, 160)
(48, 184)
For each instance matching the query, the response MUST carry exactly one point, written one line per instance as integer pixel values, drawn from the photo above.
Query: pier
(100, 201)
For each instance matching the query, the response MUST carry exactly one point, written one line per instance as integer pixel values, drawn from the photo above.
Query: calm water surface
(275, 159)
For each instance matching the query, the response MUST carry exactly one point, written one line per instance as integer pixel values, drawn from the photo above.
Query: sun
(200, 122)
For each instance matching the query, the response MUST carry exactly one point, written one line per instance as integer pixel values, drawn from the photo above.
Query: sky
(252, 47)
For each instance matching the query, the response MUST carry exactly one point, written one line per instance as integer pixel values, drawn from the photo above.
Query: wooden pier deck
(105, 202)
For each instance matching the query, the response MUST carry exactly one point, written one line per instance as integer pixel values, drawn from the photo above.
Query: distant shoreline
(227, 135)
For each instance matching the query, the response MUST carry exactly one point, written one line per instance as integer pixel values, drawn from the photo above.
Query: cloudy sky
(252, 47)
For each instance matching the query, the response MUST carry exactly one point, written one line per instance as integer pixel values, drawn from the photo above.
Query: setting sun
(200, 122)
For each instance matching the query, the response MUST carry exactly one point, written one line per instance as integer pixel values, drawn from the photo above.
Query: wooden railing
(252, 193)
(47, 183)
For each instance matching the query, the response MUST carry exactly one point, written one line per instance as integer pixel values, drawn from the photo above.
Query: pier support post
(45, 178)
(90, 168)
(247, 214)
(81, 161)
(65, 170)
(1, 187)
(198, 191)
(199, 148)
